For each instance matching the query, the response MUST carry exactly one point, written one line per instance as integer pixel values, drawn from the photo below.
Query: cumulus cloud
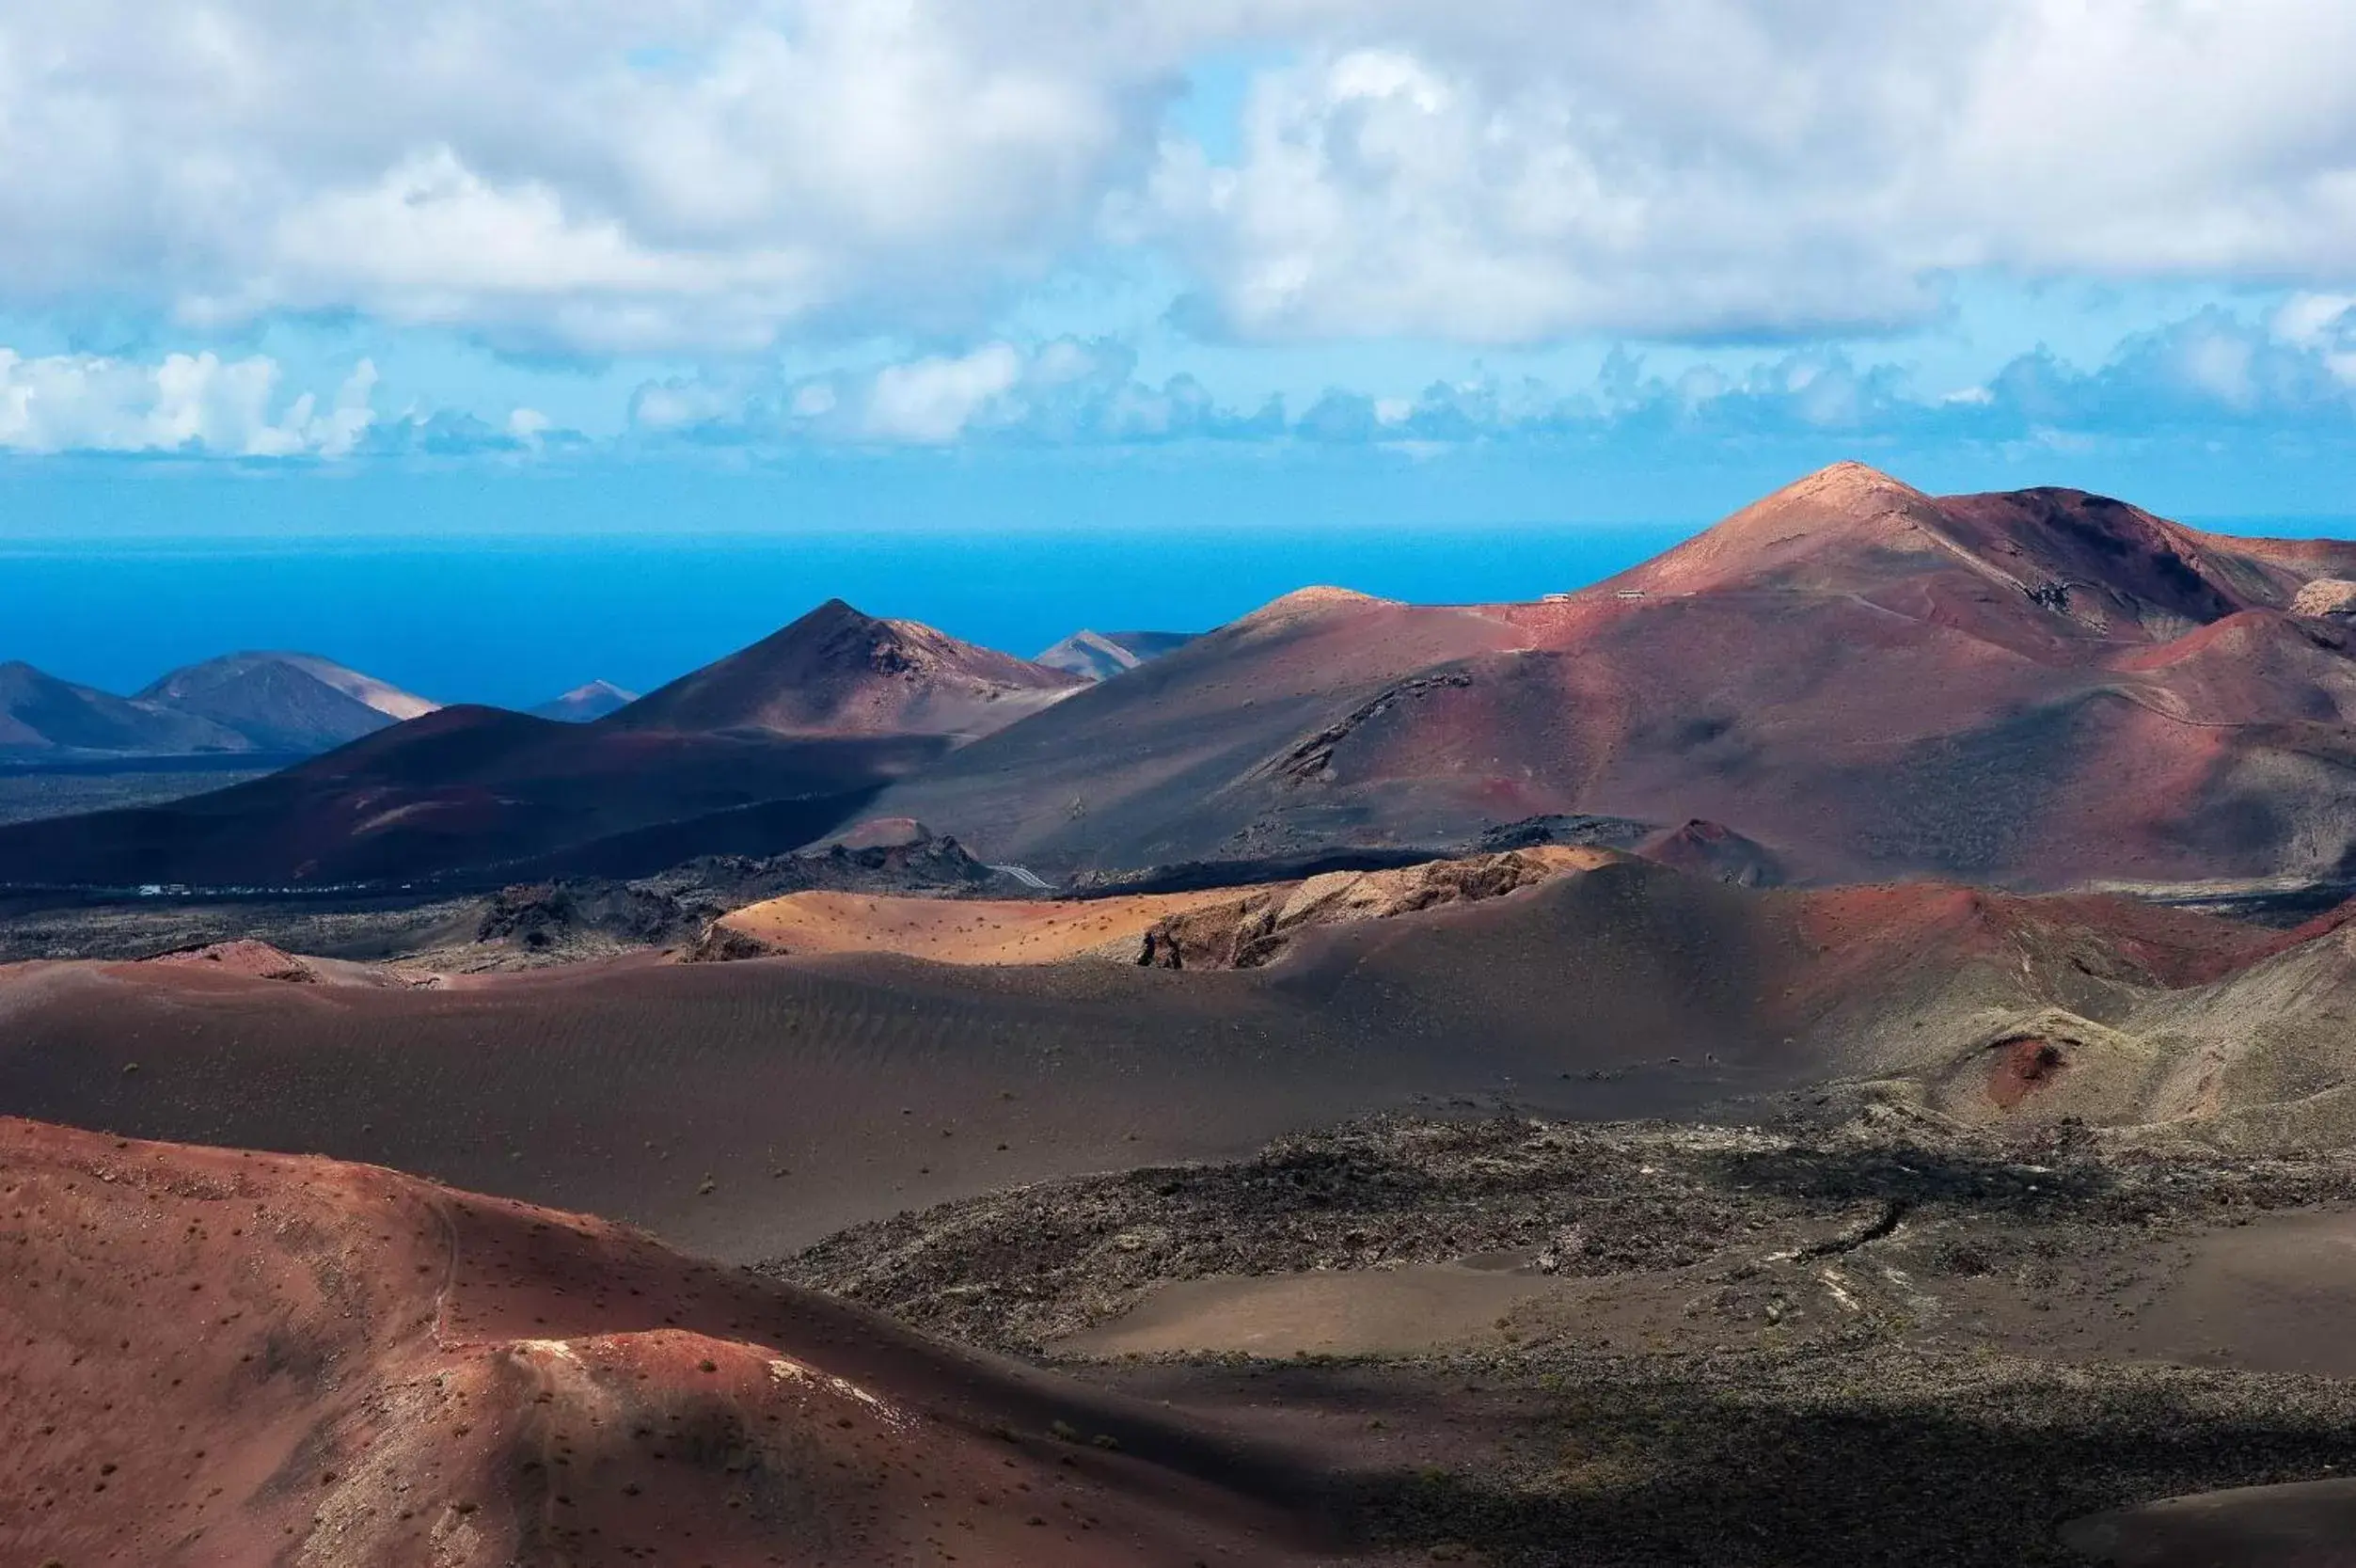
(628, 176)
(607, 175)
(1512, 172)
(195, 403)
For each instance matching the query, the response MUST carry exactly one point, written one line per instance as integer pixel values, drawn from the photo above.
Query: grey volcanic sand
(671, 1095)
(2303, 1525)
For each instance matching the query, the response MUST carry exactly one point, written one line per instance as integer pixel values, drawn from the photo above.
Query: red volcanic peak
(837, 672)
(1862, 679)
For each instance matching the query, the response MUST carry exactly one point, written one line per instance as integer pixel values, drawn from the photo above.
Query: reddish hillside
(213, 1356)
(1190, 756)
(836, 672)
(2034, 689)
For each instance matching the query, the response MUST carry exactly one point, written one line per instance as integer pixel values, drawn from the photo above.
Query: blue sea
(515, 620)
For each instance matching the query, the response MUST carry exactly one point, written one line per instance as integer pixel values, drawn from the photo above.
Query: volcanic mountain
(284, 702)
(214, 1357)
(756, 755)
(585, 703)
(836, 672)
(2036, 689)
(1100, 656)
(42, 717)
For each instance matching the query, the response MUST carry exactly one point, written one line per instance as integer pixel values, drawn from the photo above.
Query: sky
(1364, 270)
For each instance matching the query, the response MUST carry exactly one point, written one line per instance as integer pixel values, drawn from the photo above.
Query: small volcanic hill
(475, 787)
(1210, 928)
(586, 703)
(213, 1356)
(284, 702)
(1859, 679)
(1099, 655)
(1183, 758)
(42, 717)
(836, 672)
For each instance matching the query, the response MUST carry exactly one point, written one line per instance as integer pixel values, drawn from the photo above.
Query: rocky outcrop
(256, 961)
(1254, 929)
(2334, 597)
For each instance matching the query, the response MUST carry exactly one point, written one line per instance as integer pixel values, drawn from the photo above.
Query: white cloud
(1519, 171)
(196, 403)
(933, 400)
(628, 176)
(607, 175)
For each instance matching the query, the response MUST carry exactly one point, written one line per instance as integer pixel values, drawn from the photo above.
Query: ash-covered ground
(1891, 1340)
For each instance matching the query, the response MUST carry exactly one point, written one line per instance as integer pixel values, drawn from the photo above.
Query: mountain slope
(477, 789)
(2034, 689)
(836, 672)
(1100, 656)
(1177, 759)
(284, 702)
(360, 1367)
(585, 705)
(42, 715)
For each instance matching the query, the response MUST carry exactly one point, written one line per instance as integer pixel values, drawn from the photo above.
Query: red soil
(219, 1358)
(2023, 1067)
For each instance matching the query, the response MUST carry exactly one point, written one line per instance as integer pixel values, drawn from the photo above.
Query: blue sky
(689, 267)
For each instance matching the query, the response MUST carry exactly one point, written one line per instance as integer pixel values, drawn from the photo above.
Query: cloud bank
(2209, 372)
(715, 177)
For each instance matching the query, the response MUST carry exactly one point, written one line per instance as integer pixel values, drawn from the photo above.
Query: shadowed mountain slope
(42, 715)
(2032, 688)
(284, 702)
(467, 788)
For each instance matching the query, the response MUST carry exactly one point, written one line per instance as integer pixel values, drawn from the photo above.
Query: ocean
(517, 619)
